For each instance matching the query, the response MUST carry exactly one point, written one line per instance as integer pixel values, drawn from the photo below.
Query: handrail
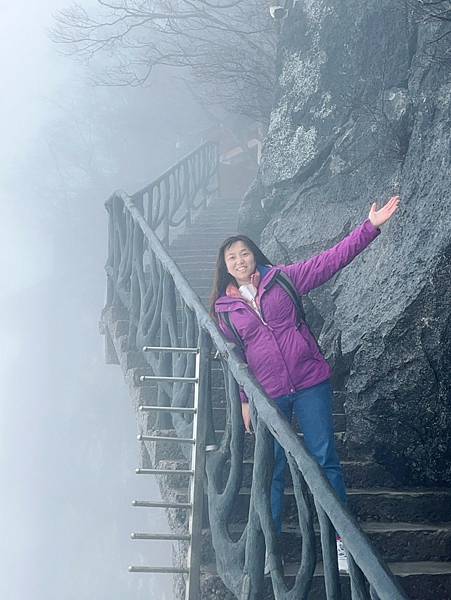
(154, 304)
(175, 197)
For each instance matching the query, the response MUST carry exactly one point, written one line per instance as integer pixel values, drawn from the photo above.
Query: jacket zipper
(292, 387)
(261, 317)
(258, 313)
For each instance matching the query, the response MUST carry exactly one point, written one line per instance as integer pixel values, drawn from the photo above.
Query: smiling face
(240, 262)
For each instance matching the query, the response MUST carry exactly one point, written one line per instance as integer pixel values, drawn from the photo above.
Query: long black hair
(222, 277)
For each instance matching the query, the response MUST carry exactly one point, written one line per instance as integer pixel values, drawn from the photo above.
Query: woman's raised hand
(381, 216)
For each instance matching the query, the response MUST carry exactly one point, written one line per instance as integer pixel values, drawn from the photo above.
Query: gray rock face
(362, 112)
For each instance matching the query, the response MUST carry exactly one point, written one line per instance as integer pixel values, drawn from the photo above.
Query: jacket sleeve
(310, 274)
(229, 335)
(244, 399)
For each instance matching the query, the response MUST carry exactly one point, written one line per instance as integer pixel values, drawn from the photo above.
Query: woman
(281, 351)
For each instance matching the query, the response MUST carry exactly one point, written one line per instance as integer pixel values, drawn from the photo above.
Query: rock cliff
(362, 111)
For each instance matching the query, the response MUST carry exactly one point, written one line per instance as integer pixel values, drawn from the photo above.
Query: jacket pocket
(311, 343)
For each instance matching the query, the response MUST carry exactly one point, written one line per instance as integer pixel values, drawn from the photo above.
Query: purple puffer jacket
(282, 358)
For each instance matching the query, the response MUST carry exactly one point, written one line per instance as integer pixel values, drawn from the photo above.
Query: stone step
(231, 205)
(198, 280)
(395, 541)
(203, 250)
(197, 242)
(217, 220)
(355, 468)
(204, 291)
(218, 231)
(219, 396)
(202, 284)
(424, 580)
(214, 216)
(227, 226)
(357, 474)
(218, 392)
(166, 449)
(361, 474)
(224, 208)
(190, 265)
(195, 268)
(225, 201)
(377, 504)
(220, 208)
(421, 580)
(219, 414)
(401, 541)
(204, 260)
(221, 203)
(215, 239)
(221, 225)
(213, 225)
(208, 230)
(344, 452)
(199, 237)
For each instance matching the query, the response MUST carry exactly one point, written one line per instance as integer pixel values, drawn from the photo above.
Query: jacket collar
(234, 292)
(267, 274)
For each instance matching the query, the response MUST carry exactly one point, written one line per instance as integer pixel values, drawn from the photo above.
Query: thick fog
(68, 445)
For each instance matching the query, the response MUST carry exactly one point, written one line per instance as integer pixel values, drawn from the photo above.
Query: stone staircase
(411, 527)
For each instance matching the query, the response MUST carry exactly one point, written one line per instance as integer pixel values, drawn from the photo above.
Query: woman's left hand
(381, 216)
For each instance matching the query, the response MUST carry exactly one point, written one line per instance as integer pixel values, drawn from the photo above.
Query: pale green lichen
(290, 149)
(278, 120)
(303, 144)
(395, 103)
(292, 145)
(337, 165)
(325, 109)
(299, 78)
(316, 10)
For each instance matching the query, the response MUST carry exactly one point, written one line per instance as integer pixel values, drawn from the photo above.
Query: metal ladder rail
(195, 502)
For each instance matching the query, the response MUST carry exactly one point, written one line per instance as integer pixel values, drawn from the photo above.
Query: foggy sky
(67, 430)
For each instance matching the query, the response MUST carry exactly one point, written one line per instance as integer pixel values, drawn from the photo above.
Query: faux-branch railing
(164, 311)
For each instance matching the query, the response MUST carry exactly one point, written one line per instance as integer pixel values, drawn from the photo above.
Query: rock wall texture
(362, 110)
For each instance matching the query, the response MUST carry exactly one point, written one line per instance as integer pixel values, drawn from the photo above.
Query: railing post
(330, 562)
(188, 201)
(165, 236)
(217, 169)
(198, 466)
(137, 248)
(165, 360)
(109, 265)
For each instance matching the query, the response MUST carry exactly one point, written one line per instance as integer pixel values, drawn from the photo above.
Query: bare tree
(228, 46)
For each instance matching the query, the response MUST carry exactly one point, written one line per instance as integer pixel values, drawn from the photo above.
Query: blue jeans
(313, 410)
